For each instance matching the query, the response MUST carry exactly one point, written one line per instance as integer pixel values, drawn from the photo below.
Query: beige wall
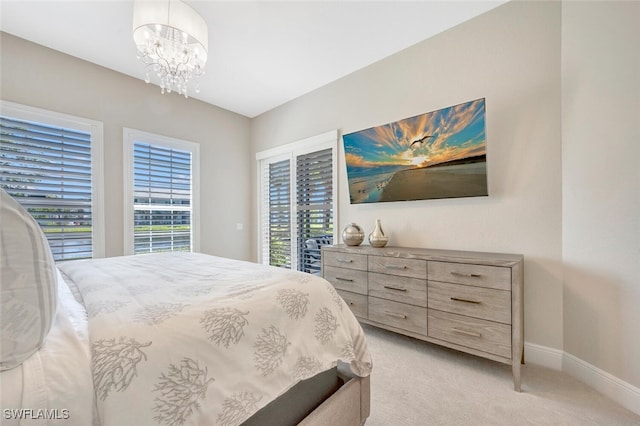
(510, 56)
(601, 185)
(39, 77)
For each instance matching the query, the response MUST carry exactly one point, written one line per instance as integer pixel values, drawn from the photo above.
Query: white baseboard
(543, 355)
(618, 390)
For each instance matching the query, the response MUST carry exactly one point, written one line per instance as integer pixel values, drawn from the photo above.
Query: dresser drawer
(401, 289)
(356, 302)
(463, 273)
(478, 302)
(400, 315)
(413, 268)
(346, 279)
(486, 336)
(345, 260)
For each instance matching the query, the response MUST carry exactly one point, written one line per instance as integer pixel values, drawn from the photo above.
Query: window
(297, 202)
(278, 244)
(314, 206)
(51, 164)
(162, 193)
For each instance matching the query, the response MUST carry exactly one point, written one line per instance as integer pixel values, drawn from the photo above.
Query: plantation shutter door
(47, 169)
(162, 198)
(314, 207)
(276, 208)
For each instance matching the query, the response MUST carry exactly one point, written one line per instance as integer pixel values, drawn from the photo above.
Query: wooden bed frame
(335, 397)
(348, 406)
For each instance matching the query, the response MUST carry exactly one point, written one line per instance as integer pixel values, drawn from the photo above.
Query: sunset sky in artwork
(455, 132)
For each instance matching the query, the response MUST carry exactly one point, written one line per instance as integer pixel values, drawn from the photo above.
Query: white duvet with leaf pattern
(191, 339)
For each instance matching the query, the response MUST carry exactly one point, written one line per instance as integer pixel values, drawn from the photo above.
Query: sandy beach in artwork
(459, 180)
(368, 189)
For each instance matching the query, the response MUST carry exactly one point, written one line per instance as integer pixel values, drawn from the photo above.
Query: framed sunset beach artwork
(439, 154)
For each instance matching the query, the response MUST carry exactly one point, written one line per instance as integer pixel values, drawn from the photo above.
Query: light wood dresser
(469, 301)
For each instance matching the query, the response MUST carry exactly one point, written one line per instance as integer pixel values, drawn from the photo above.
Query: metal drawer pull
(465, 300)
(344, 279)
(395, 288)
(393, 314)
(395, 267)
(466, 333)
(345, 260)
(460, 274)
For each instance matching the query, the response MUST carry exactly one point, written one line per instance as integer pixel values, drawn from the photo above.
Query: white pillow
(28, 284)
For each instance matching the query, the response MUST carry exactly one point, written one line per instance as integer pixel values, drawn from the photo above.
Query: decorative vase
(377, 237)
(352, 235)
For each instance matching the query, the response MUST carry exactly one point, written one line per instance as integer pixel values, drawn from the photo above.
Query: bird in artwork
(419, 141)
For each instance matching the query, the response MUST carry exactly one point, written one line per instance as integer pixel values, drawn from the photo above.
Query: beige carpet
(417, 383)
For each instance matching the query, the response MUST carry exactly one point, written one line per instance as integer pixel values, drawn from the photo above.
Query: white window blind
(280, 214)
(297, 202)
(48, 169)
(276, 231)
(162, 198)
(314, 195)
(161, 193)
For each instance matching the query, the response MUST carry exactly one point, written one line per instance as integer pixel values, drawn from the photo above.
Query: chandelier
(172, 41)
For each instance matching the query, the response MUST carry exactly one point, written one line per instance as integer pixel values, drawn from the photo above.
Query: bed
(172, 339)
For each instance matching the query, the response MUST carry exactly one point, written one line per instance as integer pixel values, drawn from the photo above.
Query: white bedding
(55, 382)
(190, 339)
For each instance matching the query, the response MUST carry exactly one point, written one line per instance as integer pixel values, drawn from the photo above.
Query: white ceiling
(261, 53)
